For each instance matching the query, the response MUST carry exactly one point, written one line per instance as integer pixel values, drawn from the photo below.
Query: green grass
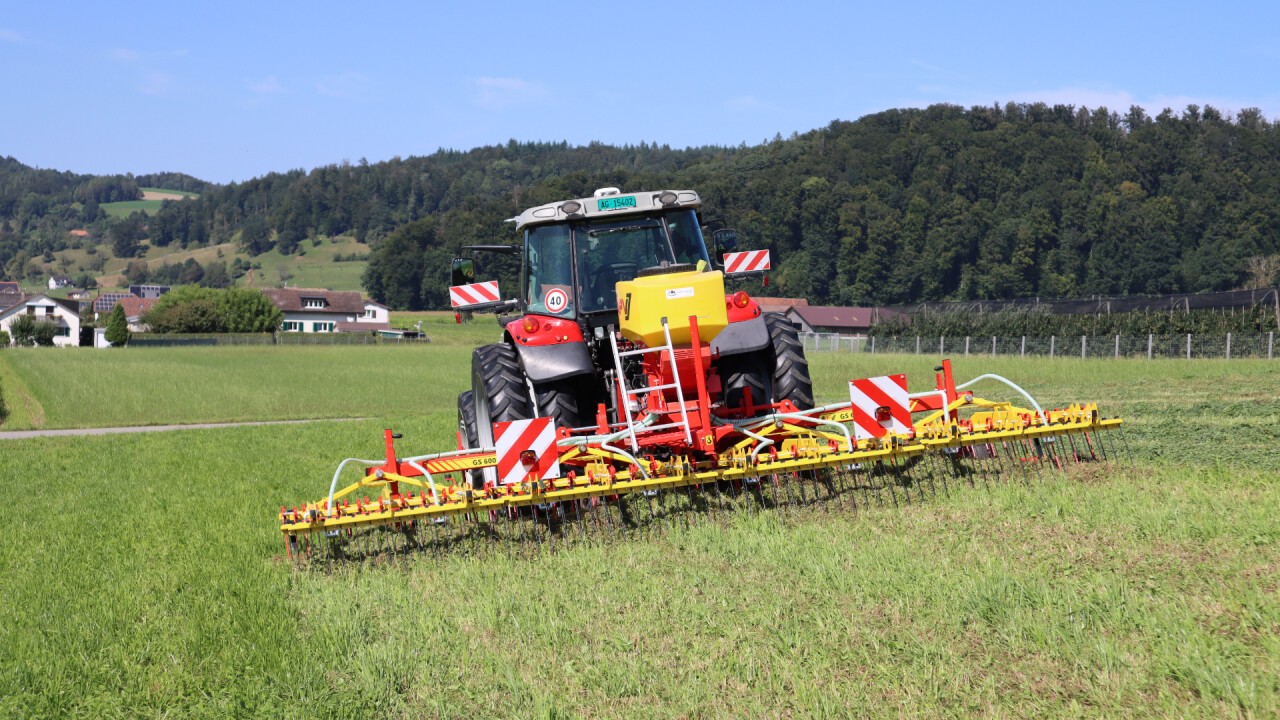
(128, 207)
(143, 575)
(125, 208)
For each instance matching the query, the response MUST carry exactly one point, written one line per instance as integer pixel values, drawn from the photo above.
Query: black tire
(790, 370)
(500, 392)
(467, 426)
(566, 403)
(749, 370)
(467, 418)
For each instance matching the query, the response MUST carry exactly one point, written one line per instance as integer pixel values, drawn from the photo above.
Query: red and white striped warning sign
(880, 405)
(474, 294)
(524, 448)
(749, 261)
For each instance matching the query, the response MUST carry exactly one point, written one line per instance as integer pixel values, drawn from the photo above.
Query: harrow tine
(1124, 438)
(1102, 448)
(841, 475)
(935, 470)
(1075, 452)
(1093, 437)
(991, 463)
(898, 478)
(777, 503)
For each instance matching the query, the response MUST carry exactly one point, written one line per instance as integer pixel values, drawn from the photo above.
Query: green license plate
(616, 203)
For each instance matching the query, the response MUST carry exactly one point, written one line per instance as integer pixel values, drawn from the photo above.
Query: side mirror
(463, 271)
(725, 240)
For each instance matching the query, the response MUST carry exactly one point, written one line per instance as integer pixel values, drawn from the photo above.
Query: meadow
(125, 208)
(143, 574)
(314, 265)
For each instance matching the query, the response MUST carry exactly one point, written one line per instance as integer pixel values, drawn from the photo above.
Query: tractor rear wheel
(791, 369)
(500, 391)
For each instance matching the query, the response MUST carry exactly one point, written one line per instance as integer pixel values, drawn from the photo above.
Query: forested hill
(900, 206)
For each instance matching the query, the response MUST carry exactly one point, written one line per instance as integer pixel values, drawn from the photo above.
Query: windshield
(605, 254)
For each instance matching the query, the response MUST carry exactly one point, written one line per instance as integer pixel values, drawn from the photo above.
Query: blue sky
(231, 90)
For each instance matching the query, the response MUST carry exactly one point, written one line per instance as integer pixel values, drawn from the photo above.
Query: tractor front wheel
(749, 370)
(566, 402)
(467, 428)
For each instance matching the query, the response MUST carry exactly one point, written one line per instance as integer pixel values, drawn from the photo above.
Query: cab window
(548, 282)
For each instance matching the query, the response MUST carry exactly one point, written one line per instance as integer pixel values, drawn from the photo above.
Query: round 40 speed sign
(556, 300)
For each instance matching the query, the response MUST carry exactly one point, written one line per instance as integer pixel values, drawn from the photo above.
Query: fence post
(1228, 346)
(993, 346)
(873, 344)
(1271, 342)
(1082, 346)
(1024, 346)
(1117, 347)
(1052, 340)
(966, 344)
(1188, 346)
(942, 345)
(1150, 338)
(917, 344)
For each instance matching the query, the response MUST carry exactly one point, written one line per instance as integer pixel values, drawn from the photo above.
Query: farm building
(10, 294)
(64, 314)
(148, 292)
(314, 310)
(779, 304)
(107, 300)
(60, 281)
(843, 320)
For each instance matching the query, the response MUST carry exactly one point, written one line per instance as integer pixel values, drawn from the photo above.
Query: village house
(64, 314)
(60, 281)
(312, 311)
(134, 309)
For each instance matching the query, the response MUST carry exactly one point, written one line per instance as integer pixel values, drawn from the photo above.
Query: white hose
(434, 497)
(333, 486)
(1010, 383)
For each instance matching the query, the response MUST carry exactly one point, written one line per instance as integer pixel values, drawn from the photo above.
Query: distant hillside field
(152, 200)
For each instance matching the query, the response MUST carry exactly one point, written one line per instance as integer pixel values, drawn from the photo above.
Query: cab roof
(607, 202)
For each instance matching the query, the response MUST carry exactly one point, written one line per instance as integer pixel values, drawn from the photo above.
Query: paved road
(24, 434)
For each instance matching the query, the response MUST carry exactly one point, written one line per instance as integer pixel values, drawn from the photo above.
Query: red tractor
(583, 353)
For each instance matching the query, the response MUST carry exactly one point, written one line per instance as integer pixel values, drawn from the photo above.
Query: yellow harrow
(657, 472)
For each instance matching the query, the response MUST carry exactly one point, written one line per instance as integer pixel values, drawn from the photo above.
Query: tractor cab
(576, 252)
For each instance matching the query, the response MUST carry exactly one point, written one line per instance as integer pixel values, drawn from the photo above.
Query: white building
(311, 310)
(64, 314)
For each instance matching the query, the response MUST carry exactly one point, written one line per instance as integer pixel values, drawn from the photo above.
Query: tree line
(908, 205)
(1041, 323)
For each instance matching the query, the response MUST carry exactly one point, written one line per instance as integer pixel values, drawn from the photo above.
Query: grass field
(143, 576)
